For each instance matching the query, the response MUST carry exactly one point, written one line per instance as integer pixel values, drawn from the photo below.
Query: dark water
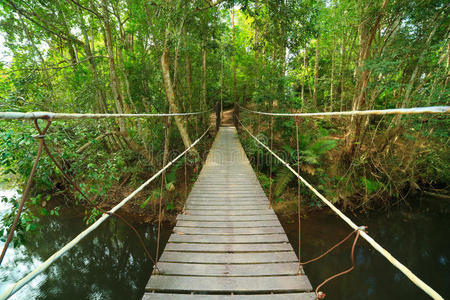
(418, 240)
(110, 263)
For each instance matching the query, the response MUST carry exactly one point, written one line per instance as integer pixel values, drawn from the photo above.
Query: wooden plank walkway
(228, 244)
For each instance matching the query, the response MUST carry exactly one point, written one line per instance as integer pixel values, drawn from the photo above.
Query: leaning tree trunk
(165, 66)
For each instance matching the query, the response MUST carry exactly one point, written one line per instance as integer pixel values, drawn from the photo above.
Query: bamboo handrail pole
(59, 116)
(396, 111)
(19, 284)
(416, 280)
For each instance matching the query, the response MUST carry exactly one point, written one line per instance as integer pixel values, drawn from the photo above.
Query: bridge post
(218, 112)
(236, 116)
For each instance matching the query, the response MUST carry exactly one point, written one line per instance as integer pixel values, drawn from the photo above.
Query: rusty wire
(166, 146)
(270, 162)
(85, 197)
(416, 280)
(321, 295)
(27, 187)
(298, 195)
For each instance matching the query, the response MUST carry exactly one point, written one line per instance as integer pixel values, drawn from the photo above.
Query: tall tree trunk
(101, 101)
(332, 76)
(204, 77)
(367, 36)
(189, 76)
(316, 74)
(165, 66)
(341, 71)
(115, 83)
(233, 62)
(304, 75)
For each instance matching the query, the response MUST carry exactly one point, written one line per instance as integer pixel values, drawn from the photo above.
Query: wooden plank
(214, 187)
(229, 248)
(228, 270)
(227, 218)
(230, 258)
(228, 230)
(227, 197)
(254, 224)
(227, 207)
(266, 284)
(242, 212)
(222, 202)
(227, 239)
(286, 296)
(228, 193)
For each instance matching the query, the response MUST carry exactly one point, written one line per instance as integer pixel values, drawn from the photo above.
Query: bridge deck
(229, 242)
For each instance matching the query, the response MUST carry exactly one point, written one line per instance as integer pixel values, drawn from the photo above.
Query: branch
(55, 67)
(27, 15)
(97, 14)
(211, 4)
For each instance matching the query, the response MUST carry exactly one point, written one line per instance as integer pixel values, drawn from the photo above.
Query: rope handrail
(395, 111)
(19, 284)
(8, 115)
(416, 280)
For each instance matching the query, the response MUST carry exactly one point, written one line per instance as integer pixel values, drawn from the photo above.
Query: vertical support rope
(27, 187)
(185, 177)
(298, 197)
(166, 125)
(270, 162)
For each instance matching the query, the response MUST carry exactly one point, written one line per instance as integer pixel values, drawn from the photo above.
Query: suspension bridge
(228, 242)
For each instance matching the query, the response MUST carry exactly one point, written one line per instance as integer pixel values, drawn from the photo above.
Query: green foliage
(283, 177)
(370, 186)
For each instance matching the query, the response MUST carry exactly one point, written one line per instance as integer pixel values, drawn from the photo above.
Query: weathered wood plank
(224, 202)
(242, 212)
(227, 218)
(287, 296)
(226, 239)
(227, 207)
(228, 230)
(230, 258)
(229, 248)
(254, 224)
(228, 270)
(266, 284)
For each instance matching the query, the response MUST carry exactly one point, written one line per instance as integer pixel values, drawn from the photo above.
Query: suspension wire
(85, 197)
(43, 266)
(166, 147)
(27, 188)
(396, 111)
(270, 161)
(417, 281)
(55, 116)
(185, 177)
(321, 295)
(298, 197)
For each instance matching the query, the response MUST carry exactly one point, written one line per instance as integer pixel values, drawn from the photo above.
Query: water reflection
(108, 264)
(418, 240)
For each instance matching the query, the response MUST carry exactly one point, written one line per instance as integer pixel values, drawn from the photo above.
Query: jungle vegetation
(132, 56)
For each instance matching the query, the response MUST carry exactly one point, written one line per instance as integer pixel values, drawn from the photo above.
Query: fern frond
(284, 176)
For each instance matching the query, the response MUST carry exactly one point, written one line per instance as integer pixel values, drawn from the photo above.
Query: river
(110, 263)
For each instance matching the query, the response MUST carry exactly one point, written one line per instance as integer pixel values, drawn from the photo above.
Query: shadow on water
(108, 264)
(418, 240)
